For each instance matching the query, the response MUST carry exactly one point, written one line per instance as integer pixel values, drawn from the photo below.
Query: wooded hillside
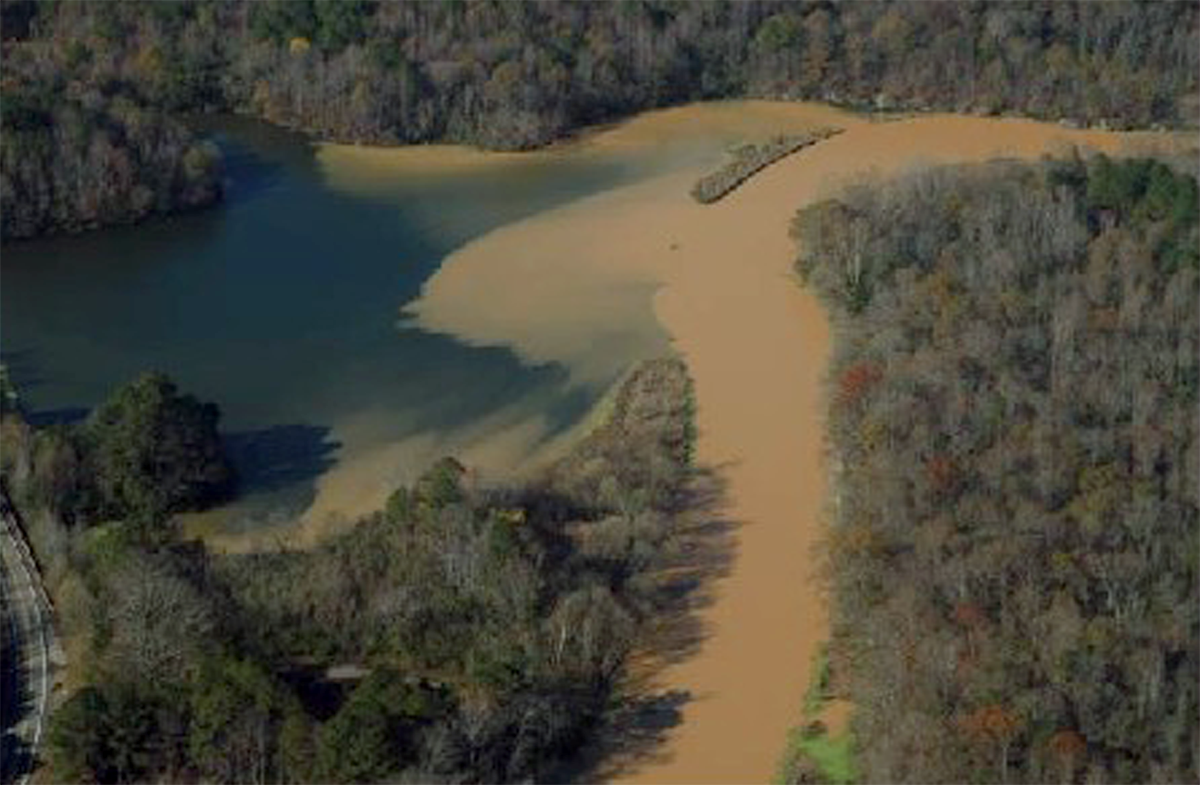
(1013, 421)
(69, 164)
(520, 74)
(504, 74)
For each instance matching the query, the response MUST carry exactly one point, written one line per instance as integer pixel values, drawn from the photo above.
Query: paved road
(29, 651)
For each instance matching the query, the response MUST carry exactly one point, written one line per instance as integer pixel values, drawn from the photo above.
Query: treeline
(74, 163)
(1013, 419)
(146, 452)
(517, 75)
(464, 633)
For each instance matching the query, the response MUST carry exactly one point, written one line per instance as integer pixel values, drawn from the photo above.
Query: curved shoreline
(759, 382)
(727, 297)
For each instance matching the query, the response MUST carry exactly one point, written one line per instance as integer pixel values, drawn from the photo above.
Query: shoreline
(756, 345)
(718, 279)
(653, 232)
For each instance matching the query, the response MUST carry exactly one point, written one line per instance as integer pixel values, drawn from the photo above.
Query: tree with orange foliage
(993, 726)
(1067, 747)
(856, 381)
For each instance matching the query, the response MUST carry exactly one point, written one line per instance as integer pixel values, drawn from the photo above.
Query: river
(756, 343)
(357, 311)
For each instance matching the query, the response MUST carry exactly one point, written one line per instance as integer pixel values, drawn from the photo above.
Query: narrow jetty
(749, 159)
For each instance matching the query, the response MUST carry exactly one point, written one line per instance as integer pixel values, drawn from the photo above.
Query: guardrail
(14, 529)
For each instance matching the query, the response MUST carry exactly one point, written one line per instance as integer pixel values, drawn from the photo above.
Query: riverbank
(593, 320)
(755, 344)
(600, 279)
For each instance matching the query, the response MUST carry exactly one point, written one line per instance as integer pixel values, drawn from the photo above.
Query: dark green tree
(372, 735)
(155, 451)
(78, 738)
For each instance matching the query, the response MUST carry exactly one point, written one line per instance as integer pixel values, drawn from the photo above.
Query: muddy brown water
(394, 305)
(756, 344)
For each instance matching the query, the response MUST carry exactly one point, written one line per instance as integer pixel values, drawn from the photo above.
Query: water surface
(284, 306)
(755, 343)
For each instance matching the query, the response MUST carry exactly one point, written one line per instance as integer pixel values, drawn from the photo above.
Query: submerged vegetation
(465, 633)
(1012, 414)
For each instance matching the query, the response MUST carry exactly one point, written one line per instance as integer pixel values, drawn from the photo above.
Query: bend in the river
(756, 344)
(315, 309)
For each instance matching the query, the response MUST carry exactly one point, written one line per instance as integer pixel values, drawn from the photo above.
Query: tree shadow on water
(276, 471)
(702, 552)
(278, 457)
(24, 372)
(69, 415)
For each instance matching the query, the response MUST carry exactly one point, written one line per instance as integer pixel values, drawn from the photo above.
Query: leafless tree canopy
(516, 74)
(1012, 415)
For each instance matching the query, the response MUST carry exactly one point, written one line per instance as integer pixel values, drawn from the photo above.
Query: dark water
(282, 306)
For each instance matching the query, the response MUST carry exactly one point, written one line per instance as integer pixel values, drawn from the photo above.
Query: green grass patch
(812, 754)
(833, 755)
(817, 692)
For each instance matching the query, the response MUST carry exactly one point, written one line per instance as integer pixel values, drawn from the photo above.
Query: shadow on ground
(702, 552)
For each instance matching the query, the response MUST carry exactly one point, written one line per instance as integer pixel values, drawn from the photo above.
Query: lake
(284, 306)
(357, 312)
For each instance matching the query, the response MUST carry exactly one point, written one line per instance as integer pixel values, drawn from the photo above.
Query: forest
(468, 632)
(69, 164)
(1012, 420)
(88, 90)
(516, 75)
